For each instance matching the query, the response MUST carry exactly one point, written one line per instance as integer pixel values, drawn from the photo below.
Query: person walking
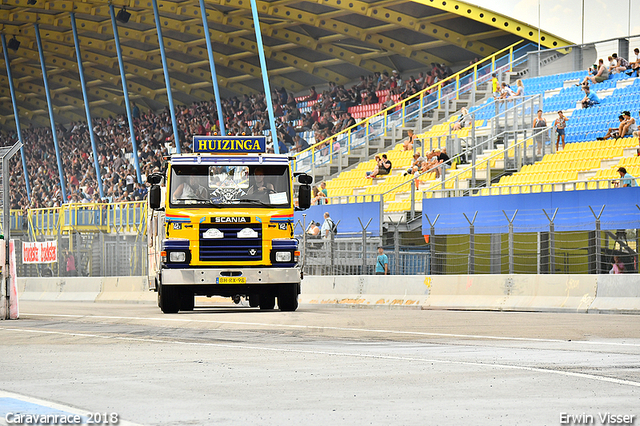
(382, 262)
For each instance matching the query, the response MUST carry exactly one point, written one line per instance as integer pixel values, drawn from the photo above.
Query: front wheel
(169, 299)
(288, 297)
(187, 301)
(267, 302)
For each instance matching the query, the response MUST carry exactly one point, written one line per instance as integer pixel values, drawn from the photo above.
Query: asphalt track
(229, 365)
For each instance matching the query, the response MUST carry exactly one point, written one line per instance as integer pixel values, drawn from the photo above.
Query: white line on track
(361, 330)
(343, 354)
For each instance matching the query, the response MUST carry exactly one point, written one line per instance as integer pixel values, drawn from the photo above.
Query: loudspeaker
(13, 44)
(123, 16)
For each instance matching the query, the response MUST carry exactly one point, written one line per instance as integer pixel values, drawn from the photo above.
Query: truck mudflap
(206, 276)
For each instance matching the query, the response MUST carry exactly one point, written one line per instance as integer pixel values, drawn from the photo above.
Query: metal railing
(360, 135)
(509, 138)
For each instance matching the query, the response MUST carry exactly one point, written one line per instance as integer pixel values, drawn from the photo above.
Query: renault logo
(252, 252)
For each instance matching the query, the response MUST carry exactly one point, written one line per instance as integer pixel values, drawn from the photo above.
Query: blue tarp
(620, 211)
(348, 215)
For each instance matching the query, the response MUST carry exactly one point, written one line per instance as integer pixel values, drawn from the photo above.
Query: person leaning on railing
(626, 179)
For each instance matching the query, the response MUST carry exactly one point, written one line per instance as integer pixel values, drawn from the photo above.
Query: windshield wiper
(258, 202)
(192, 199)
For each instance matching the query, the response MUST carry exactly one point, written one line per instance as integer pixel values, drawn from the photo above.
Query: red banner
(46, 252)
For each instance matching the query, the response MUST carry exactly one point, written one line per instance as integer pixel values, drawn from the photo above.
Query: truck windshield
(230, 185)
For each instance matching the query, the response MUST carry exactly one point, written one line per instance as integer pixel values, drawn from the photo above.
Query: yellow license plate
(231, 280)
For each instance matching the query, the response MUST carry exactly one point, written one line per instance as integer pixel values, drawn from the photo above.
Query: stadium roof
(306, 43)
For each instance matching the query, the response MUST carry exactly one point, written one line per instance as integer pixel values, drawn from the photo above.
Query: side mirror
(155, 178)
(305, 179)
(304, 196)
(154, 197)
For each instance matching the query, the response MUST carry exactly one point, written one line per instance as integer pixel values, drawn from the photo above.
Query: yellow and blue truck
(221, 224)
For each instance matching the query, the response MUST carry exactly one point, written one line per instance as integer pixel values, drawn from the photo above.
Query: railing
(332, 148)
(518, 108)
(127, 217)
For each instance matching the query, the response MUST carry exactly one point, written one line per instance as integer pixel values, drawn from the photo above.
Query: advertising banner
(40, 252)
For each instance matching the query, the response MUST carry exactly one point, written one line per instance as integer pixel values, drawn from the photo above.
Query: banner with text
(40, 252)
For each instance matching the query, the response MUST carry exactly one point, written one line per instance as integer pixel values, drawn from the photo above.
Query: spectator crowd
(245, 114)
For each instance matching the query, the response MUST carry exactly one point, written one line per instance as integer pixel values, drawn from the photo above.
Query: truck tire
(254, 300)
(187, 301)
(267, 301)
(169, 299)
(288, 297)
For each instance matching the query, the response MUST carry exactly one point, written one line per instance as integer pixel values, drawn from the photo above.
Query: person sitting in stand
(635, 66)
(622, 64)
(376, 168)
(408, 144)
(626, 179)
(506, 91)
(601, 75)
(463, 121)
(386, 166)
(519, 91)
(590, 98)
(614, 132)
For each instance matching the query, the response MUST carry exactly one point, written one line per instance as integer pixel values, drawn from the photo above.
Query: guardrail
(126, 217)
(332, 148)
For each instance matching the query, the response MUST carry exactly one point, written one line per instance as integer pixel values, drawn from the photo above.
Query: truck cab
(222, 225)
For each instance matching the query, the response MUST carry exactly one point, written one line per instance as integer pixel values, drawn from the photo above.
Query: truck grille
(230, 248)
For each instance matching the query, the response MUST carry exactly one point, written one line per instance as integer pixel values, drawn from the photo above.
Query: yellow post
(349, 141)
(439, 94)
(458, 86)
(404, 104)
(385, 121)
(475, 75)
(511, 59)
(493, 63)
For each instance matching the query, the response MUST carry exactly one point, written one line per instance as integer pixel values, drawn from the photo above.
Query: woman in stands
(408, 144)
(463, 121)
(539, 123)
(519, 91)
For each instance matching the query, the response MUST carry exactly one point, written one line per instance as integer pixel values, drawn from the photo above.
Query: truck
(220, 223)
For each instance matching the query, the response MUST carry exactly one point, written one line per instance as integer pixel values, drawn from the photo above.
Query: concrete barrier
(365, 290)
(617, 293)
(64, 288)
(125, 289)
(572, 293)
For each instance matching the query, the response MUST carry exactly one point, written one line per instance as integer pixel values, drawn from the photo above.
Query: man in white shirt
(327, 226)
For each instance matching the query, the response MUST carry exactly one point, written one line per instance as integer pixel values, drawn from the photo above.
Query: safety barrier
(485, 292)
(617, 293)
(86, 289)
(522, 292)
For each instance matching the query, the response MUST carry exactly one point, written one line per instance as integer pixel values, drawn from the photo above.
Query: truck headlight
(177, 256)
(283, 256)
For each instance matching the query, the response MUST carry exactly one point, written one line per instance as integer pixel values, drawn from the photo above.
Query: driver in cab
(260, 186)
(191, 190)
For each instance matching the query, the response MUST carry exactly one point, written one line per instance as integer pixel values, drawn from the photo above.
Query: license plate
(231, 280)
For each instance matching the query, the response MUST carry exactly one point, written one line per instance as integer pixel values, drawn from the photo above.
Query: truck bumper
(209, 276)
